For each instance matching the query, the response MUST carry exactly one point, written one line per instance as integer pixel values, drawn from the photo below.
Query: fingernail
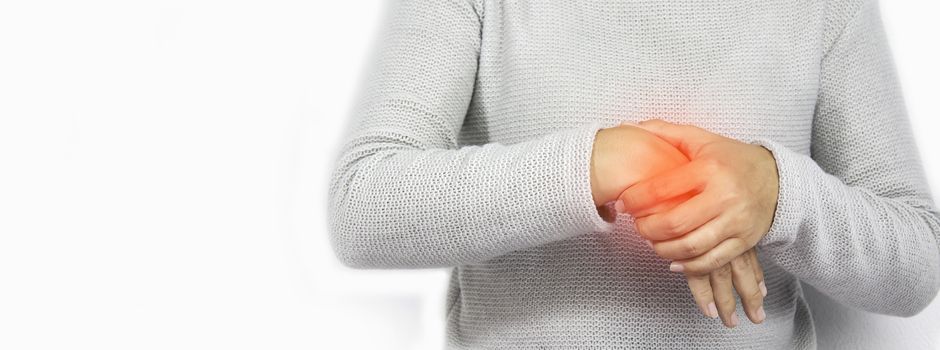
(712, 310)
(619, 206)
(734, 320)
(676, 267)
(760, 314)
(763, 288)
(649, 244)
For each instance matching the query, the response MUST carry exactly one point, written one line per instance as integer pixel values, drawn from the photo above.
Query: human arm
(856, 219)
(404, 194)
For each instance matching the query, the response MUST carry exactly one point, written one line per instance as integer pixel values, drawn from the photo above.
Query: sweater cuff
(583, 208)
(792, 171)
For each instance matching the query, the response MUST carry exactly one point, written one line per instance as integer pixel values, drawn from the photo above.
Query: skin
(626, 147)
(733, 188)
(713, 293)
(664, 153)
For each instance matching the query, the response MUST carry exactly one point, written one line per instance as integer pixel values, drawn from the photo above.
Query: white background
(164, 168)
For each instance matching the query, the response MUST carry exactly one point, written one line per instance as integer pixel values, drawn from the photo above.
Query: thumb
(688, 139)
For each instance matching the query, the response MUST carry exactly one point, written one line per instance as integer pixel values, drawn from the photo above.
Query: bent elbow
(924, 291)
(351, 245)
(926, 285)
(928, 293)
(351, 256)
(918, 304)
(346, 242)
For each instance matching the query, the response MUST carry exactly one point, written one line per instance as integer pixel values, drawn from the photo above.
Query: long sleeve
(403, 194)
(856, 221)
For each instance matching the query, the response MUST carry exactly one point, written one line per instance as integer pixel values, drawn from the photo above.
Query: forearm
(852, 243)
(394, 205)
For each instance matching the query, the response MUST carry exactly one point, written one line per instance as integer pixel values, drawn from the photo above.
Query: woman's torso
(743, 69)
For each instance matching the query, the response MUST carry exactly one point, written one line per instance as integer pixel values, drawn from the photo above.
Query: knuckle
(672, 225)
(690, 249)
(714, 264)
(741, 264)
(712, 166)
(709, 266)
(642, 228)
(725, 299)
(710, 236)
(701, 292)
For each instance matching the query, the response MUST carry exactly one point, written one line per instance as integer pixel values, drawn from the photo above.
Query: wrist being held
(625, 155)
(660, 172)
(731, 188)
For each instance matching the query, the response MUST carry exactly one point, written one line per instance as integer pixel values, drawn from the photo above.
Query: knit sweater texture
(471, 142)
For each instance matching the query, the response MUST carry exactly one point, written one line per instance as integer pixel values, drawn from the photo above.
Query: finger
(647, 193)
(701, 289)
(695, 243)
(682, 219)
(724, 295)
(758, 271)
(715, 258)
(686, 138)
(663, 206)
(745, 283)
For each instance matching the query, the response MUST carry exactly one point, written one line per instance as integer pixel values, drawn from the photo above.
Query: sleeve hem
(789, 214)
(583, 206)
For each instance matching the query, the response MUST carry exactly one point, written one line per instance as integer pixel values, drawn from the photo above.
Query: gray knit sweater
(471, 144)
